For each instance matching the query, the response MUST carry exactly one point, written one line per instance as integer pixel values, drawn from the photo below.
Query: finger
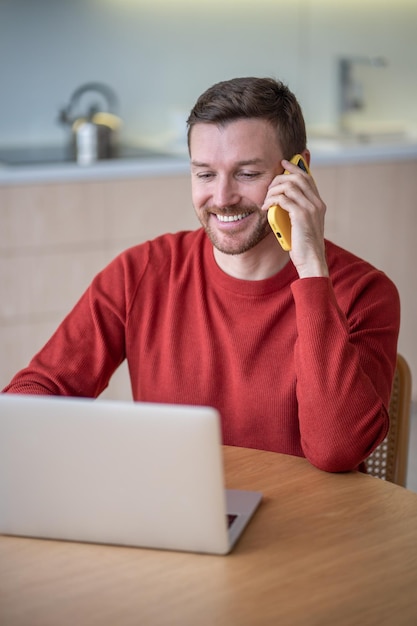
(286, 193)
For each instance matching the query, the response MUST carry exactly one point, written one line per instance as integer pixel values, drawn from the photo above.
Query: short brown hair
(250, 97)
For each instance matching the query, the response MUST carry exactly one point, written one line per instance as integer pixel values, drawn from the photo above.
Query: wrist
(313, 270)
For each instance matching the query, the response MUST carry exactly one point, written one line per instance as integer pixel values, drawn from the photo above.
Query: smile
(232, 218)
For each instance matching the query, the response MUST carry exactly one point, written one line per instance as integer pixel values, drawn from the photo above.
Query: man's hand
(296, 192)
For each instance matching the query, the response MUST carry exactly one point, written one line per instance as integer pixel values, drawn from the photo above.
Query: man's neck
(263, 261)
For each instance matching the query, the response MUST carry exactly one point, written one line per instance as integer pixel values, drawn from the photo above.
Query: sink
(39, 155)
(361, 135)
(357, 139)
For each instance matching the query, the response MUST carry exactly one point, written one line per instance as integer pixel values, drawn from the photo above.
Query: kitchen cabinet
(56, 236)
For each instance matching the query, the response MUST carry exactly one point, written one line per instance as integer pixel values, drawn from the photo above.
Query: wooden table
(323, 549)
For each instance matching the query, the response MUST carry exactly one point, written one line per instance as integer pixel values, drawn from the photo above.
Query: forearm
(344, 374)
(31, 381)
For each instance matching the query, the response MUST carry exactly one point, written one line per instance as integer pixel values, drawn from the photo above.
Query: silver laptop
(124, 473)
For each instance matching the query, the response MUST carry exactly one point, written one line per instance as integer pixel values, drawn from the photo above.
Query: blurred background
(159, 55)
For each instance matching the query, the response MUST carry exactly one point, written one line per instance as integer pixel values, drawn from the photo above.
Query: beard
(241, 238)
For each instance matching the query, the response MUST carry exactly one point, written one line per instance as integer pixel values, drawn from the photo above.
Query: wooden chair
(389, 460)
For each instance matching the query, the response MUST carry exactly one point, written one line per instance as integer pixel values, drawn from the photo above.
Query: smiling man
(296, 349)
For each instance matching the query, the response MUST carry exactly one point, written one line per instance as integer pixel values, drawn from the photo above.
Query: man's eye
(205, 175)
(249, 175)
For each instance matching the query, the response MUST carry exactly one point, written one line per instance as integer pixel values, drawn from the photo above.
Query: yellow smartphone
(278, 218)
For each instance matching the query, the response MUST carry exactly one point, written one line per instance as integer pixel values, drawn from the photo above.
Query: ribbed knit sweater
(299, 366)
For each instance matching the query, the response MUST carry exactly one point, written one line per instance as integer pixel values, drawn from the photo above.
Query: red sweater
(299, 366)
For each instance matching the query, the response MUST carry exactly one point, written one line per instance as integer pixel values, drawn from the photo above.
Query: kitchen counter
(328, 151)
(101, 170)
(324, 152)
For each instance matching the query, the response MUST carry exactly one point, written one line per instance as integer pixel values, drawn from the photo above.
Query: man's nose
(225, 193)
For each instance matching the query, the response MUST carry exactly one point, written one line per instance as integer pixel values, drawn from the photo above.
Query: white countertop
(324, 152)
(101, 170)
(334, 152)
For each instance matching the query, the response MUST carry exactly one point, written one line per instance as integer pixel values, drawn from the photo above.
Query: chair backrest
(389, 460)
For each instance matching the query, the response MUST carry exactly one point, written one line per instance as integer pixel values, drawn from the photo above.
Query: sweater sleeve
(87, 347)
(345, 358)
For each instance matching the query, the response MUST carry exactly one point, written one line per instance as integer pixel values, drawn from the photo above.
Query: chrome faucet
(351, 96)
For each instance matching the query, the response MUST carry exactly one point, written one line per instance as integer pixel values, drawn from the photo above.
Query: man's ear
(307, 156)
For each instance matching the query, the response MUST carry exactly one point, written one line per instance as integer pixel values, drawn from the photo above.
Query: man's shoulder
(158, 261)
(161, 249)
(164, 255)
(345, 268)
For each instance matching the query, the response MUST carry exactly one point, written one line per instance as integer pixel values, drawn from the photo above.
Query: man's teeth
(231, 218)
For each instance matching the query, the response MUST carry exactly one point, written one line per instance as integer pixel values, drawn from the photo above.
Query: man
(296, 350)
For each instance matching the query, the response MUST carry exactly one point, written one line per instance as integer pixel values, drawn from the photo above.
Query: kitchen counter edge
(322, 154)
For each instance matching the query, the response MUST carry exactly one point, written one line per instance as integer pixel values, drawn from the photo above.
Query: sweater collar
(253, 288)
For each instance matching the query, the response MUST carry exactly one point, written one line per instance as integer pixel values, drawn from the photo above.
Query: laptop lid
(137, 474)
